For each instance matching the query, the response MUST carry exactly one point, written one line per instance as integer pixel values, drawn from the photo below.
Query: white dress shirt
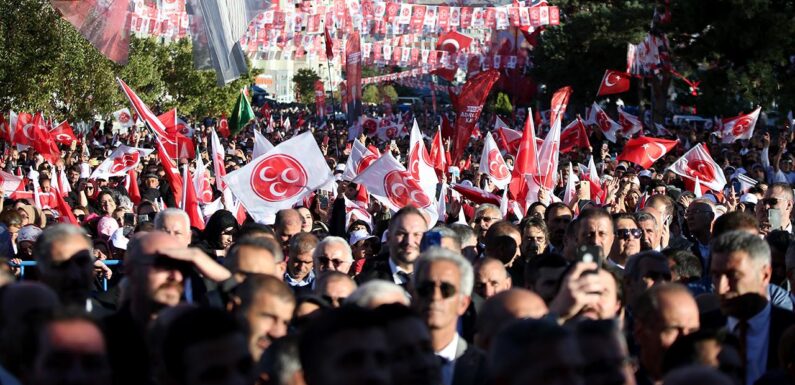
(399, 279)
(757, 343)
(448, 353)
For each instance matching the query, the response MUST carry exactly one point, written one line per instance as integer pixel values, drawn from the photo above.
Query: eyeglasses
(485, 219)
(427, 289)
(333, 300)
(626, 233)
(326, 261)
(772, 202)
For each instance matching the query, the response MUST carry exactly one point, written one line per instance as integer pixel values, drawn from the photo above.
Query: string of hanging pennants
(389, 30)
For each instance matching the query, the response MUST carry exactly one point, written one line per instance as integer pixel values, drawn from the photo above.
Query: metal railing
(23, 264)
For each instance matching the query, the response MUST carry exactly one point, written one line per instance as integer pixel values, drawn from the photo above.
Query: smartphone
(129, 219)
(323, 202)
(325, 140)
(774, 218)
(142, 218)
(584, 193)
(590, 254)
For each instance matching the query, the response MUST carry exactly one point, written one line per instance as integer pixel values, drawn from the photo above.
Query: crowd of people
(649, 285)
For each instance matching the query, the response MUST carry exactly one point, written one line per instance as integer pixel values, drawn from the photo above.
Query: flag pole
(331, 86)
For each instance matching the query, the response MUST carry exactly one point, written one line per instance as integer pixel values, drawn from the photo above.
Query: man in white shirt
(778, 196)
(443, 282)
(741, 271)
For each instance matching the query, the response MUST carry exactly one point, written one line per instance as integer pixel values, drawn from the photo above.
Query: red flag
(22, 132)
(156, 126)
(451, 42)
(189, 202)
(630, 124)
(560, 100)
(63, 134)
(5, 129)
(739, 127)
(320, 99)
(468, 106)
(645, 150)
(477, 195)
(67, 216)
(132, 186)
(103, 23)
(353, 73)
(329, 45)
(526, 162)
(42, 142)
(437, 154)
(614, 82)
(223, 127)
(509, 139)
(574, 136)
(608, 126)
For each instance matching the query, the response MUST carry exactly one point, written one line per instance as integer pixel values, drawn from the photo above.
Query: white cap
(29, 233)
(340, 167)
(645, 173)
(749, 198)
(118, 240)
(359, 235)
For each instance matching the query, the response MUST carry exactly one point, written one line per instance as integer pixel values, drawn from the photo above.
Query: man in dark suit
(741, 271)
(443, 282)
(405, 233)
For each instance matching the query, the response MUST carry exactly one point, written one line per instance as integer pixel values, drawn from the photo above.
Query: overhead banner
(353, 76)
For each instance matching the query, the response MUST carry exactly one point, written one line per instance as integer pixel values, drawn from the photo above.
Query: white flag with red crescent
(419, 162)
(204, 189)
(739, 127)
(120, 161)
(261, 145)
(359, 159)
(492, 163)
(10, 182)
(280, 178)
(124, 117)
(389, 182)
(697, 164)
(219, 167)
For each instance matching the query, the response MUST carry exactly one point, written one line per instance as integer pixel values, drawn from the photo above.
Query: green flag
(241, 114)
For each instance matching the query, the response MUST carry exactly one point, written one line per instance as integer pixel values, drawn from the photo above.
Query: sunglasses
(326, 261)
(428, 288)
(769, 202)
(332, 300)
(626, 233)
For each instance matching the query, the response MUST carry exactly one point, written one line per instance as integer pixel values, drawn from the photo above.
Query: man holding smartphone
(774, 210)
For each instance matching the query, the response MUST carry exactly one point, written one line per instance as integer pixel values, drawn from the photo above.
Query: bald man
(504, 307)
(289, 222)
(491, 278)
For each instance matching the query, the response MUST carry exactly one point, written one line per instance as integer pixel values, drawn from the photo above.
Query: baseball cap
(29, 233)
(359, 235)
(118, 240)
(645, 173)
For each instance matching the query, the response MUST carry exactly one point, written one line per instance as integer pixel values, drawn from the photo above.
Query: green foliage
(373, 94)
(503, 105)
(46, 65)
(304, 80)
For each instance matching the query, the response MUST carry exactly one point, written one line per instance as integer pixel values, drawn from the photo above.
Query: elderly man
(175, 222)
(266, 307)
(662, 313)
(443, 283)
(491, 277)
(741, 270)
(403, 242)
(334, 287)
(333, 254)
(485, 215)
(378, 292)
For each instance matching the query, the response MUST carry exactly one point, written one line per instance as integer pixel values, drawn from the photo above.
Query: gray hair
(435, 254)
(446, 232)
(631, 268)
(757, 248)
(485, 206)
(171, 211)
(333, 240)
(642, 216)
(465, 233)
(365, 294)
(52, 234)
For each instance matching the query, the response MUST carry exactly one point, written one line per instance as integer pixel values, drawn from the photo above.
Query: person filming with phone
(774, 210)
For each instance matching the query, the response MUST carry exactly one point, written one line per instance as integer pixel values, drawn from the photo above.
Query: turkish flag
(359, 159)
(223, 126)
(607, 126)
(131, 183)
(697, 163)
(574, 136)
(392, 185)
(419, 162)
(509, 139)
(614, 82)
(23, 134)
(219, 167)
(190, 202)
(492, 163)
(646, 150)
(67, 215)
(329, 45)
(43, 143)
(437, 154)
(630, 124)
(468, 106)
(280, 178)
(560, 100)
(477, 195)
(451, 42)
(121, 160)
(596, 185)
(526, 161)
(5, 128)
(549, 154)
(63, 134)
(739, 127)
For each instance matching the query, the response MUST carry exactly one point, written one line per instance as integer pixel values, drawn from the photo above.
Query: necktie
(742, 334)
(404, 278)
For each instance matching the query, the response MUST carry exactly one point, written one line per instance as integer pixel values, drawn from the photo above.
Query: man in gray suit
(443, 282)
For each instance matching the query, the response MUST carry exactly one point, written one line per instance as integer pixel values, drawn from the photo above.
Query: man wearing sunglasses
(333, 254)
(485, 215)
(627, 240)
(778, 196)
(443, 283)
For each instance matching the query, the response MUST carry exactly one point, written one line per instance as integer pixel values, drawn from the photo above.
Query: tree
(503, 105)
(370, 95)
(304, 80)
